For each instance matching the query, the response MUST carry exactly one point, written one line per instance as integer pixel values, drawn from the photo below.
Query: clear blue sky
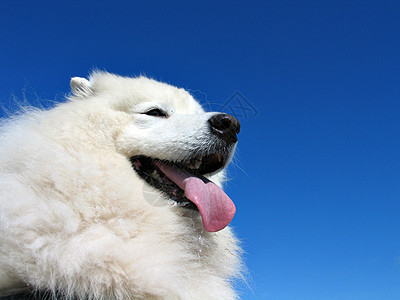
(316, 175)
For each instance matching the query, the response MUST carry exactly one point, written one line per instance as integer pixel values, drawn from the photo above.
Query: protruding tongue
(215, 207)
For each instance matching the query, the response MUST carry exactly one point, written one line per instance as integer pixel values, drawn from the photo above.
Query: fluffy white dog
(115, 194)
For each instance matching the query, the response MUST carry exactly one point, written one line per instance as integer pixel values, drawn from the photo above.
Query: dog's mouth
(184, 182)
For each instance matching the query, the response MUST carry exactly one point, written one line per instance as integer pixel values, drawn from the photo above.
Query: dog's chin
(148, 169)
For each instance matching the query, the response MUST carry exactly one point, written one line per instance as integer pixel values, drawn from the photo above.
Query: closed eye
(156, 112)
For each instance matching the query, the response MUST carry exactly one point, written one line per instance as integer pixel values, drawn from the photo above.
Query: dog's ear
(80, 87)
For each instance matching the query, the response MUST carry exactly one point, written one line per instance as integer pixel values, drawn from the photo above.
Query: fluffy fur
(76, 219)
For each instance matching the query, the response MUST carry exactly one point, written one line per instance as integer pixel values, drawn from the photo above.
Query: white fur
(75, 217)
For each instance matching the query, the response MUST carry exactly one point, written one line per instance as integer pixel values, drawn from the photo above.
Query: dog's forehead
(185, 103)
(170, 97)
(133, 91)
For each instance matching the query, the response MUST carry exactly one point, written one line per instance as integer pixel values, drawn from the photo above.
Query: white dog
(115, 195)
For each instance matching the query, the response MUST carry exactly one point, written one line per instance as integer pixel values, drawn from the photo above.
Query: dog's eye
(155, 112)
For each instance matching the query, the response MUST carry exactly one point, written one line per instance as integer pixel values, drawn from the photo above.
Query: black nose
(225, 127)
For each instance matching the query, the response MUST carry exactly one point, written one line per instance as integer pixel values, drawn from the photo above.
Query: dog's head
(172, 144)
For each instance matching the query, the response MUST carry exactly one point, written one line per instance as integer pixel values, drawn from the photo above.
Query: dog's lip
(204, 165)
(146, 168)
(184, 182)
(200, 165)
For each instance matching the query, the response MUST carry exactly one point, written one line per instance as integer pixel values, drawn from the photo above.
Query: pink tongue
(215, 207)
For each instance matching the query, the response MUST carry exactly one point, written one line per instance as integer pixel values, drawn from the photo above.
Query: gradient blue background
(316, 175)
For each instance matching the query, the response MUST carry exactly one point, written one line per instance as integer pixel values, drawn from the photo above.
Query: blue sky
(316, 175)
